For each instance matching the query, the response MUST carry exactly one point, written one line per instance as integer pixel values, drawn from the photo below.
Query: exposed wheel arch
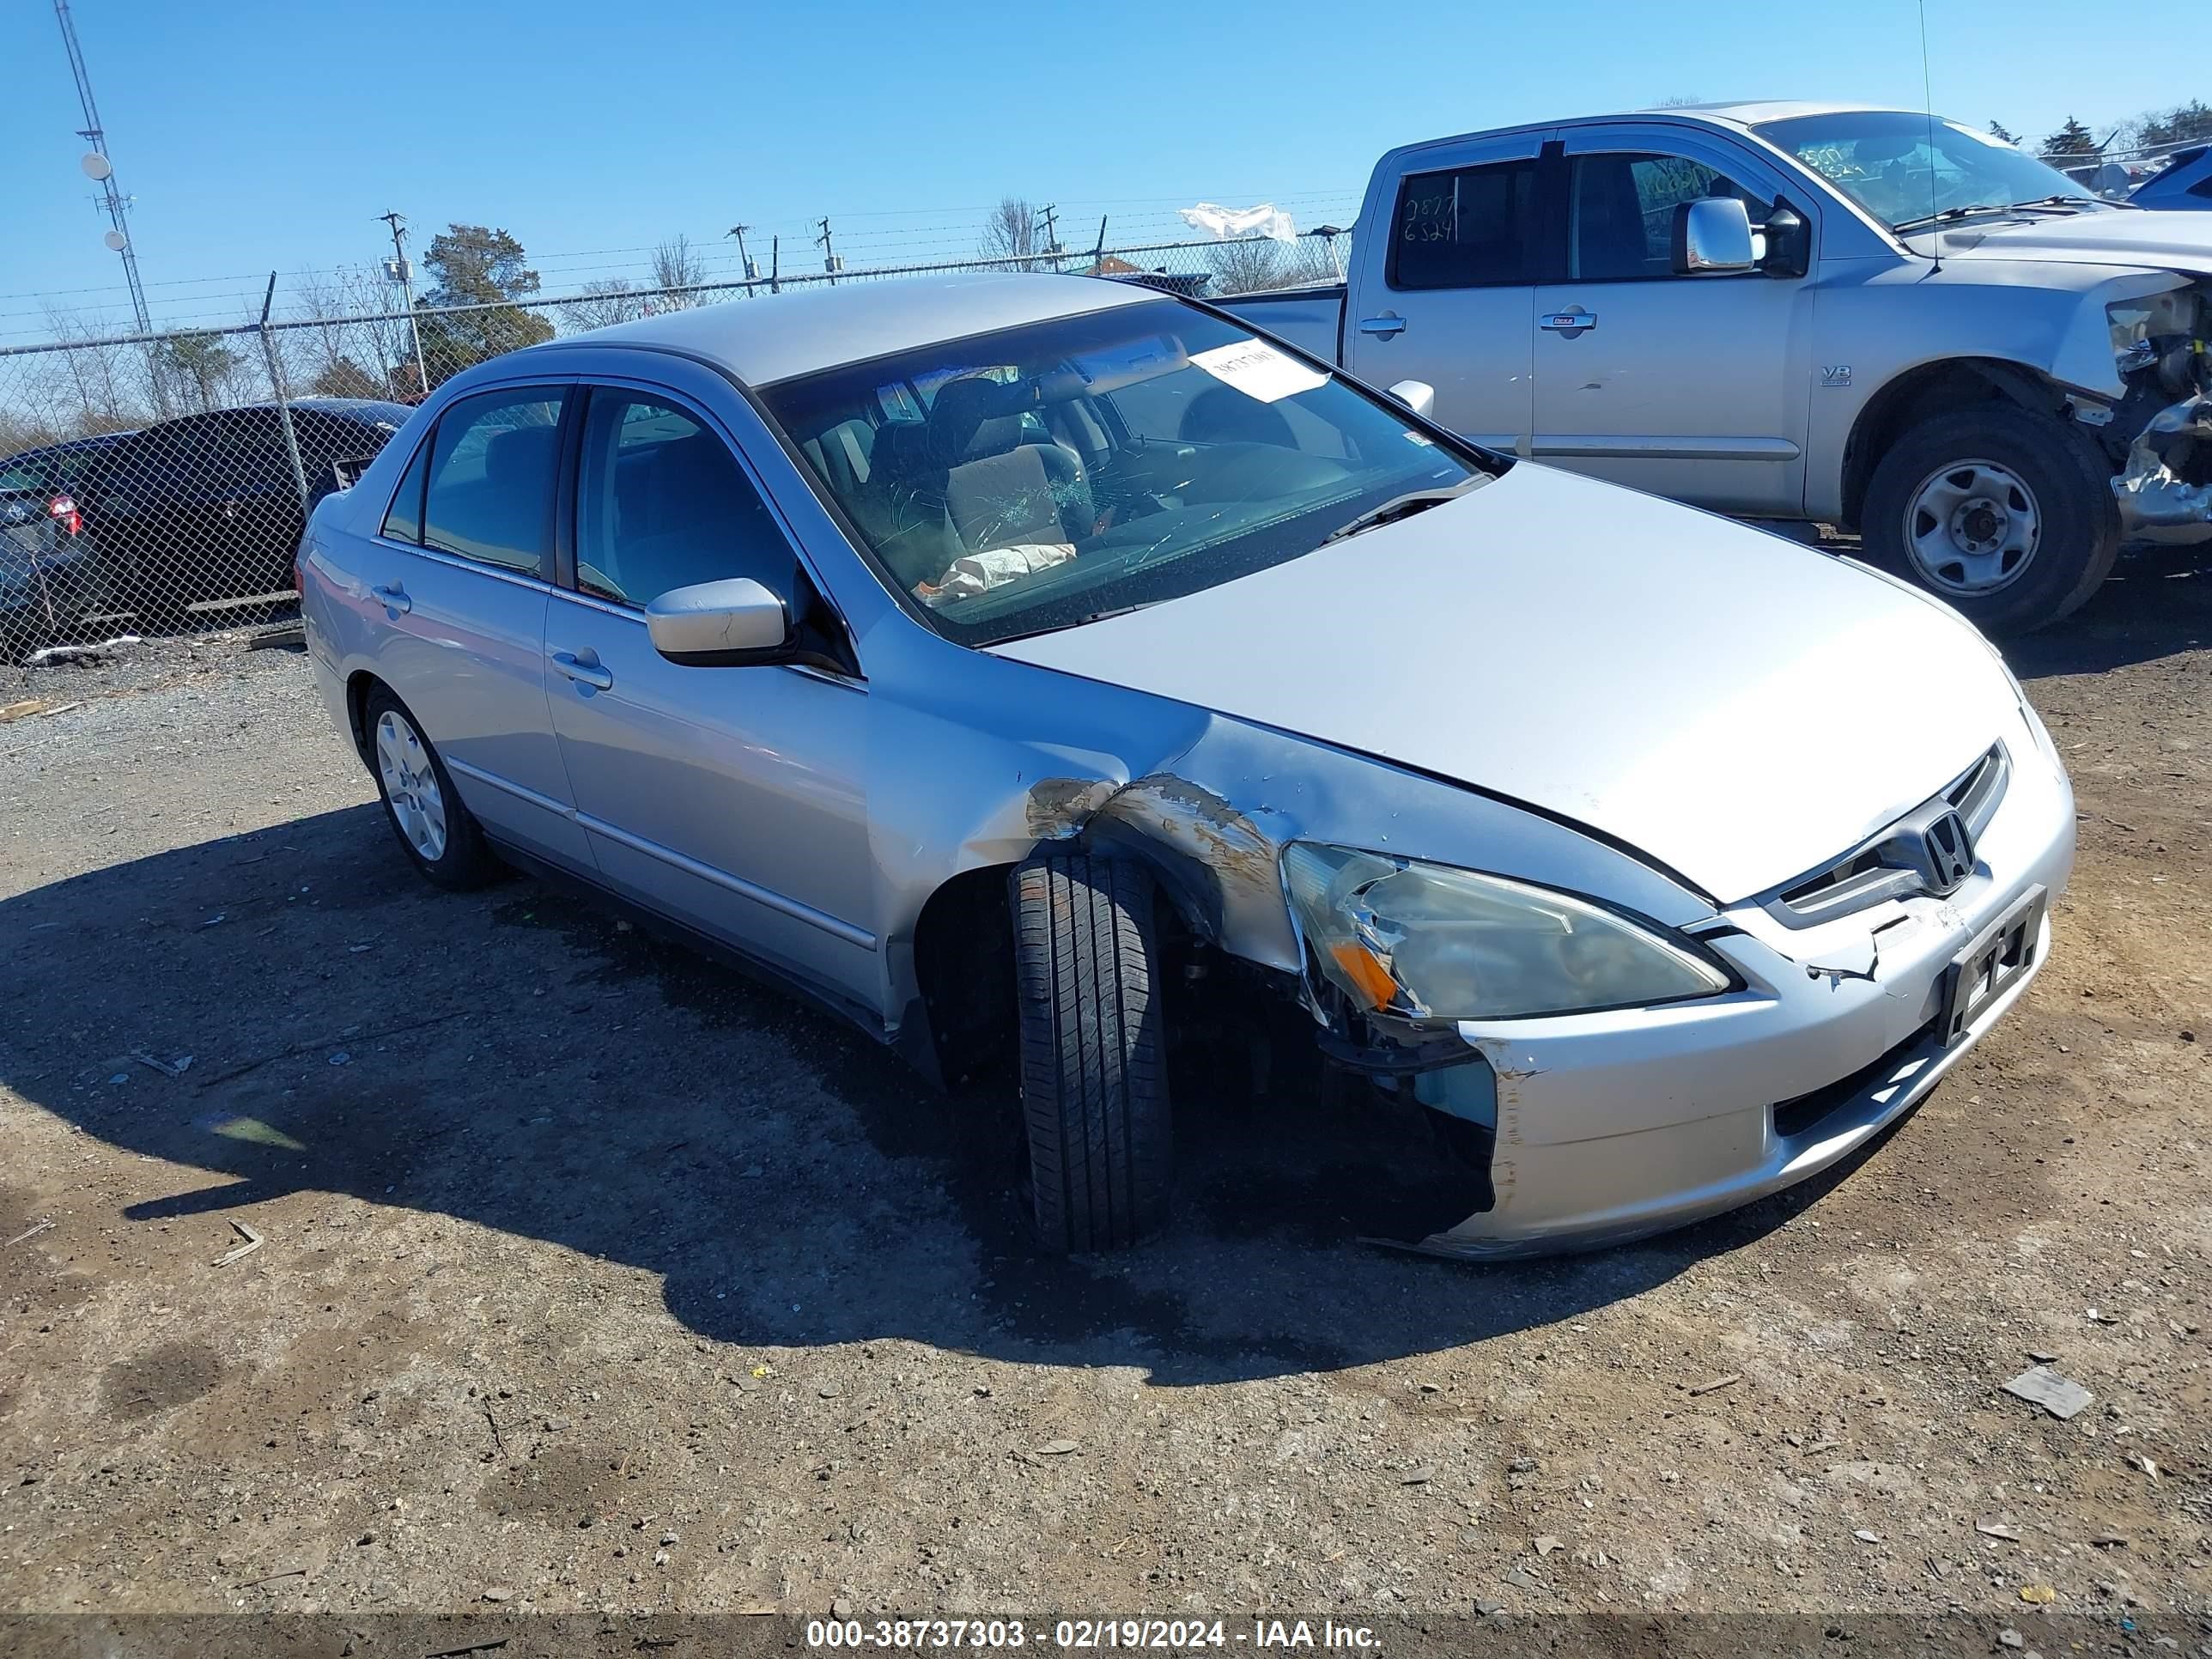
(963, 954)
(1932, 389)
(359, 684)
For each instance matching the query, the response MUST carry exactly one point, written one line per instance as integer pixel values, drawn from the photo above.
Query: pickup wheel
(2005, 514)
(1094, 1087)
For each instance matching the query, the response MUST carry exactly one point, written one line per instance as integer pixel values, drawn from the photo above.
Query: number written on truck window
(1470, 227)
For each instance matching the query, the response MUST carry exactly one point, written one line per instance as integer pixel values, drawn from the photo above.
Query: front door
(1447, 294)
(1695, 388)
(728, 799)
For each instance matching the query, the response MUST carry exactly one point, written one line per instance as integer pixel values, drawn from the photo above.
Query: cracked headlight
(2138, 324)
(1427, 941)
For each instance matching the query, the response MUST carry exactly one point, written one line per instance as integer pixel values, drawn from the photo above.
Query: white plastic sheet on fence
(1225, 224)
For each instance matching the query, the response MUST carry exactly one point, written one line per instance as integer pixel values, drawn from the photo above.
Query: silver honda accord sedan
(987, 657)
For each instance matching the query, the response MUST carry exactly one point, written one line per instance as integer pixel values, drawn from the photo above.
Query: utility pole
(830, 262)
(99, 169)
(1051, 230)
(401, 272)
(745, 265)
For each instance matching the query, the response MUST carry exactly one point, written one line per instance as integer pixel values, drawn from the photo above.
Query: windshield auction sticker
(1258, 370)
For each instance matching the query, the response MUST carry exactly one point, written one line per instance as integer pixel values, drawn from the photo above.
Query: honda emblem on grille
(1949, 851)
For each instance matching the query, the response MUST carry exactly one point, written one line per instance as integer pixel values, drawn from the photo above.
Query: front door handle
(1383, 327)
(584, 673)
(392, 598)
(1574, 322)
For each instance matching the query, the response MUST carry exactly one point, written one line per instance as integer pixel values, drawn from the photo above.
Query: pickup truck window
(1910, 170)
(1100, 462)
(1622, 217)
(1470, 227)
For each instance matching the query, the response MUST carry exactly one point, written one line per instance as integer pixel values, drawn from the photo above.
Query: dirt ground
(593, 1276)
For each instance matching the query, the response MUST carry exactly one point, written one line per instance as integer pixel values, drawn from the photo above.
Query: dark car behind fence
(194, 456)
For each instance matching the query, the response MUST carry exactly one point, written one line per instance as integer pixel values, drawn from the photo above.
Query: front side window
(1470, 227)
(493, 460)
(1100, 462)
(1620, 223)
(662, 503)
(1908, 170)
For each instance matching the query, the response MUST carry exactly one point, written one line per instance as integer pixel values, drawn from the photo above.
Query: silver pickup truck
(1862, 317)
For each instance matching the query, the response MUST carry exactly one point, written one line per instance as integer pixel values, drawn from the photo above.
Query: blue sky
(258, 136)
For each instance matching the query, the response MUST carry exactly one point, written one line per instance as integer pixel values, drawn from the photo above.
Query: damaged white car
(992, 659)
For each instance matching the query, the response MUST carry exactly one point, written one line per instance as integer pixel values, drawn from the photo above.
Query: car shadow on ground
(2158, 602)
(521, 1059)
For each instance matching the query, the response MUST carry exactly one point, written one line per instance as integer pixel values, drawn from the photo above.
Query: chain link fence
(158, 483)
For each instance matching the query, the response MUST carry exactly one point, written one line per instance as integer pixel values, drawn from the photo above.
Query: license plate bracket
(1992, 963)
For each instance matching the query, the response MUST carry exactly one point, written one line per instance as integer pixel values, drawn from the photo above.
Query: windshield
(1035, 478)
(1905, 168)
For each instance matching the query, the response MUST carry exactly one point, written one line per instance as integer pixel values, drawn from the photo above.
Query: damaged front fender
(2165, 491)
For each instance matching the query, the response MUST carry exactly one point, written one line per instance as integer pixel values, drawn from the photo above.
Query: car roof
(364, 410)
(1750, 112)
(766, 337)
(69, 447)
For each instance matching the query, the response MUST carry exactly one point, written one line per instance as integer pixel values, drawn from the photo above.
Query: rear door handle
(1573, 322)
(1384, 327)
(392, 598)
(584, 673)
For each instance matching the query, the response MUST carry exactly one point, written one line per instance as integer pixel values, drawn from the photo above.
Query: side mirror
(1712, 237)
(1417, 395)
(736, 623)
(1788, 239)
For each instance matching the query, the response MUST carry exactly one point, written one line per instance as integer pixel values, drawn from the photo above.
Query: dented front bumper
(1609, 1127)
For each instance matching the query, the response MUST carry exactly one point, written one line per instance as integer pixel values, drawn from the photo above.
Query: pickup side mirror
(1712, 237)
(1788, 239)
(736, 623)
(1417, 395)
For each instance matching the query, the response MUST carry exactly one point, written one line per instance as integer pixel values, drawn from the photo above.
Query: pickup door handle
(584, 673)
(392, 598)
(1384, 327)
(1572, 322)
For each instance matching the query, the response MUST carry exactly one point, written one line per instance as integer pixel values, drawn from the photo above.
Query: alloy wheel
(410, 782)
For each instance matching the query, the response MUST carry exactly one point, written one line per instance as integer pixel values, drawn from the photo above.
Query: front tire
(1094, 1085)
(436, 830)
(2005, 514)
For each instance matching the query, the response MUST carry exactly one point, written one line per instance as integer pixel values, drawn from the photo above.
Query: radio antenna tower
(100, 170)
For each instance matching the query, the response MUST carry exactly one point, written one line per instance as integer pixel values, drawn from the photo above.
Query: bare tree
(604, 304)
(355, 342)
(93, 378)
(1247, 265)
(1011, 232)
(678, 265)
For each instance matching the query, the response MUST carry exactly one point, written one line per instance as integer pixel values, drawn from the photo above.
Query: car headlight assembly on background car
(1426, 941)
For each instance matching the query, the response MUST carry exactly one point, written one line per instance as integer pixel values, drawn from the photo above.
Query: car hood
(1740, 708)
(2119, 236)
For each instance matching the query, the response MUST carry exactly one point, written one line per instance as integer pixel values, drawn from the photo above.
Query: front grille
(1884, 866)
(1806, 1112)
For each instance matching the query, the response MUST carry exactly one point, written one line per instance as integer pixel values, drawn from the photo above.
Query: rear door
(729, 798)
(454, 587)
(1446, 293)
(1696, 388)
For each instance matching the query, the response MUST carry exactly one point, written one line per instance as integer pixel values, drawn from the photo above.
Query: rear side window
(490, 491)
(2203, 187)
(403, 522)
(1470, 227)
